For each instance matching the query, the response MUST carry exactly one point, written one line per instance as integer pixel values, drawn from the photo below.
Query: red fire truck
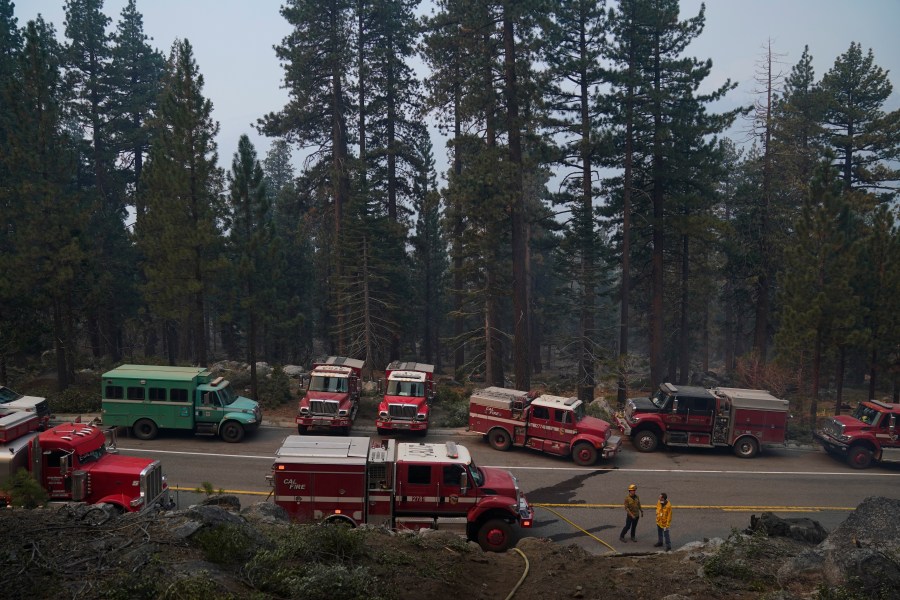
(33, 404)
(693, 416)
(332, 397)
(73, 462)
(357, 480)
(408, 393)
(551, 424)
(869, 434)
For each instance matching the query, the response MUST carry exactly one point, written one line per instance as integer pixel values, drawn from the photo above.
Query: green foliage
(275, 390)
(452, 407)
(208, 489)
(24, 490)
(314, 562)
(600, 411)
(225, 544)
(736, 559)
(854, 590)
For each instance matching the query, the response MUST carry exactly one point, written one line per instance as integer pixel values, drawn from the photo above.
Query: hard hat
(632, 487)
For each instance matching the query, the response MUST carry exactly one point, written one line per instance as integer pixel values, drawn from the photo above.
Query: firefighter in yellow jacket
(663, 520)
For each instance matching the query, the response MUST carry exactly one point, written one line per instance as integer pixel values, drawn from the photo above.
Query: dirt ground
(47, 554)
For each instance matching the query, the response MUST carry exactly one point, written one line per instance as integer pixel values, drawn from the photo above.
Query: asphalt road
(712, 491)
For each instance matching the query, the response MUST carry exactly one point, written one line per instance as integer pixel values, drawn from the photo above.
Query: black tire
(382, 431)
(746, 447)
(859, 457)
(302, 429)
(232, 432)
(646, 440)
(584, 454)
(422, 432)
(495, 535)
(97, 515)
(145, 429)
(499, 439)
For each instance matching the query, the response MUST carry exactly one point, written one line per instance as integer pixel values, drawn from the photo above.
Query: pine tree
(179, 236)
(864, 138)
(315, 56)
(251, 239)
(573, 47)
(136, 73)
(818, 303)
(47, 213)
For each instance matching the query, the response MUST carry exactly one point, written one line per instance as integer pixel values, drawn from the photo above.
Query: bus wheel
(145, 429)
(232, 432)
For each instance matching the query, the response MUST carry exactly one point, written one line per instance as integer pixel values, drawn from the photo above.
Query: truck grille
(323, 407)
(151, 484)
(402, 411)
(833, 428)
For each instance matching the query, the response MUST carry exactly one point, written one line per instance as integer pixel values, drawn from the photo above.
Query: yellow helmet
(632, 488)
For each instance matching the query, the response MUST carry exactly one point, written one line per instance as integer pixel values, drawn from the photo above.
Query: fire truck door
(887, 438)
(58, 486)
(452, 501)
(417, 488)
(540, 427)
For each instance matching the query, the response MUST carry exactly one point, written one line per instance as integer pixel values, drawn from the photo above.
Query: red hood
(594, 426)
(417, 400)
(850, 423)
(338, 396)
(499, 480)
(116, 464)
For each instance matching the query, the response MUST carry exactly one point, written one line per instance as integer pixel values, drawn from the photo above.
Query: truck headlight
(343, 412)
(383, 415)
(304, 410)
(420, 417)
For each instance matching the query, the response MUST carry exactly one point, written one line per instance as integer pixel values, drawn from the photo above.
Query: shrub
(225, 544)
(24, 490)
(275, 390)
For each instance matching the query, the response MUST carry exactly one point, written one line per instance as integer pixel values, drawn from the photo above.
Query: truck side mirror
(64, 465)
(463, 482)
(675, 405)
(892, 425)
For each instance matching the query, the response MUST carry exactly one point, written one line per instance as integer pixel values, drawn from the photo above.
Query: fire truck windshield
(477, 475)
(406, 388)
(578, 412)
(660, 399)
(92, 456)
(865, 414)
(319, 383)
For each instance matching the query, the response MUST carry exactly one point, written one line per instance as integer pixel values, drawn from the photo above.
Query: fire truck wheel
(382, 431)
(746, 447)
(302, 429)
(859, 457)
(145, 429)
(499, 439)
(232, 432)
(646, 441)
(97, 515)
(584, 454)
(495, 536)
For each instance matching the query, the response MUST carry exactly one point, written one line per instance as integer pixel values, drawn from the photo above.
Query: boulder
(294, 371)
(862, 552)
(803, 529)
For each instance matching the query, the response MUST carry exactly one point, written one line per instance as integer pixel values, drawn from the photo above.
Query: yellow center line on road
(199, 489)
(713, 507)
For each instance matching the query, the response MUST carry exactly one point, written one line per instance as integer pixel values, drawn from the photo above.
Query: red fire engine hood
(850, 423)
(498, 480)
(335, 396)
(417, 400)
(593, 425)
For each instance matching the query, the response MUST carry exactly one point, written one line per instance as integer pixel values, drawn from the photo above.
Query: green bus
(148, 398)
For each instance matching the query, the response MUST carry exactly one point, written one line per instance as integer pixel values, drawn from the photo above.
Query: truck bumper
(612, 447)
(829, 443)
(622, 424)
(402, 425)
(323, 422)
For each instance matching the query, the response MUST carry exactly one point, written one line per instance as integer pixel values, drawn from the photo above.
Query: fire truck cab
(866, 436)
(358, 480)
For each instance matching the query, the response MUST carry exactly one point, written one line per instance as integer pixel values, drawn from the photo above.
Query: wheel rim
(496, 537)
(645, 442)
